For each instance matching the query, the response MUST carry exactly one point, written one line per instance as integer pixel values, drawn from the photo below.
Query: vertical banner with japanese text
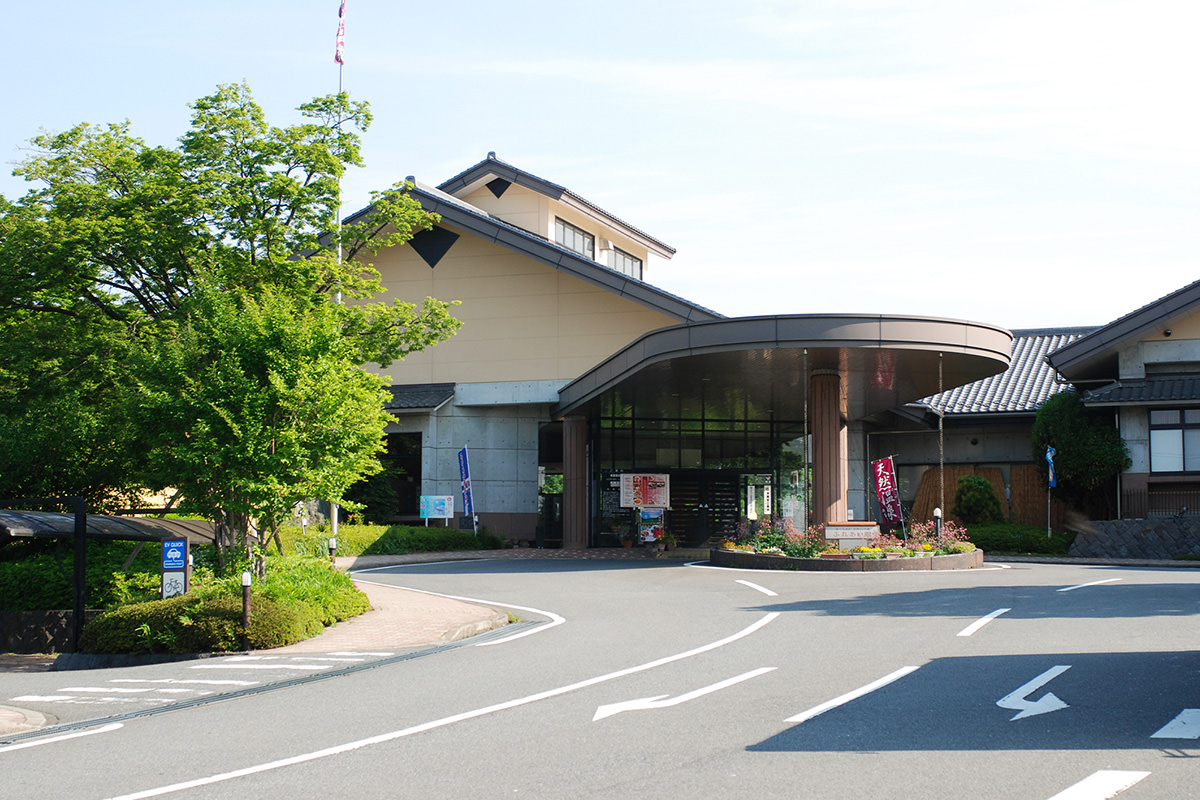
(886, 489)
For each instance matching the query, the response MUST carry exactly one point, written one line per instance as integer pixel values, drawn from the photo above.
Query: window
(1175, 440)
(621, 261)
(574, 238)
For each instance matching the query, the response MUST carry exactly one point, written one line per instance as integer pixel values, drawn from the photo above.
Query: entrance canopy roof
(765, 364)
(53, 525)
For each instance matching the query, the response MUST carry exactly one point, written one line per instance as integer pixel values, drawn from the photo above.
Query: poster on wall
(645, 491)
(650, 524)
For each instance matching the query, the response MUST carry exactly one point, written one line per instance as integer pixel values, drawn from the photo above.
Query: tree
(209, 275)
(1090, 453)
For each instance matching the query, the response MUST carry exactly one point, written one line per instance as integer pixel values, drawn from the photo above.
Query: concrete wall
(502, 447)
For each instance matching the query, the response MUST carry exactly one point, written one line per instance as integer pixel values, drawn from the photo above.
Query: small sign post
(174, 567)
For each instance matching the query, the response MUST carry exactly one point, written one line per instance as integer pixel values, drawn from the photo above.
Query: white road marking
(758, 588)
(1015, 700)
(815, 711)
(979, 623)
(1185, 726)
(1100, 785)
(555, 619)
(443, 722)
(1084, 585)
(276, 665)
(52, 739)
(661, 701)
(197, 681)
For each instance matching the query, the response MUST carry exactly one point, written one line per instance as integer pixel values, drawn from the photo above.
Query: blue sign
(174, 555)
(465, 472)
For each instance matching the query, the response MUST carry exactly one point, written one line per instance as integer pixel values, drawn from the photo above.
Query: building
(1145, 369)
(569, 362)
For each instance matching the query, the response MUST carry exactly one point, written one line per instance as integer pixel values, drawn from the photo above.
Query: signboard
(174, 555)
(464, 471)
(174, 567)
(645, 491)
(437, 506)
(885, 489)
(650, 524)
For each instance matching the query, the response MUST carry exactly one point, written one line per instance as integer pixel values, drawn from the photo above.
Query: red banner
(886, 489)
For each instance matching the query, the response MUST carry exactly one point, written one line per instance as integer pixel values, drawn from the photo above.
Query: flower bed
(741, 559)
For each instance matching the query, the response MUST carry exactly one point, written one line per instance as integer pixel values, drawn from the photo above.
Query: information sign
(645, 490)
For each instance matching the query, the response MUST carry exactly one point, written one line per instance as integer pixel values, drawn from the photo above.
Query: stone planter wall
(742, 560)
(1138, 538)
(38, 631)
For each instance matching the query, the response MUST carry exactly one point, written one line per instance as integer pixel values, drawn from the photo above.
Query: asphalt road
(657, 680)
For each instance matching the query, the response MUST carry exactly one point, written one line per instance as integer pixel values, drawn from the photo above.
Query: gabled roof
(460, 214)
(1094, 357)
(492, 168)
(1021, 388)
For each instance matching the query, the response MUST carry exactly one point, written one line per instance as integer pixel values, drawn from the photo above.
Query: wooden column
(829, 449)
(575, 482)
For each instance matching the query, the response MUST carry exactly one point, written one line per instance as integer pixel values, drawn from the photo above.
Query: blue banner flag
(1050, 453)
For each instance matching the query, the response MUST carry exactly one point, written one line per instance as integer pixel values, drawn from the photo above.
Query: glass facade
(726, 465)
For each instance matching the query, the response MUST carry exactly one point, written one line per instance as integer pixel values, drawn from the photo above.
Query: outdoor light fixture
(332, 547)
(246, 579)
(937, 521)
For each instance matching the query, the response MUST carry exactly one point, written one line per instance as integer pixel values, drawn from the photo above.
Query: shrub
(1014, 539)
(192, 624)
(355, 540)
(975, 501)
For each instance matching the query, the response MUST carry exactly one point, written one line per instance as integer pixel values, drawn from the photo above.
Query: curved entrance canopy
(882, 362)
(828, 370)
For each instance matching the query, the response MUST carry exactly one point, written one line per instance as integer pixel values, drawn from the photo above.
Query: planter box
(842, 562)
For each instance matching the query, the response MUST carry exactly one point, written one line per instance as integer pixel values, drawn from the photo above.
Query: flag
(1050, 453)
(886, 489)
(340, 51)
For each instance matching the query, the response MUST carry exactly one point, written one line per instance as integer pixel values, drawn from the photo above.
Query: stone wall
(38, 631)
(1138, 538)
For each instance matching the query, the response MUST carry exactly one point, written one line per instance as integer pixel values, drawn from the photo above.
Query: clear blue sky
(1023, 163)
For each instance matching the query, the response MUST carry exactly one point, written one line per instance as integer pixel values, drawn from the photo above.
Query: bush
(192, 624)
(297, 599)
(1016, 539)
(36, 575)
(357, 540)
(975, 501)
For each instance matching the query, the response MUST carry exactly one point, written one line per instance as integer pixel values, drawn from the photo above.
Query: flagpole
(339, 57)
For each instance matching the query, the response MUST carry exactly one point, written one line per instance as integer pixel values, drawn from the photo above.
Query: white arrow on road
(658, 701)
(1015, 701)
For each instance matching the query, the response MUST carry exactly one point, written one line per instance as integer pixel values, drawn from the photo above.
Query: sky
(1027, 163)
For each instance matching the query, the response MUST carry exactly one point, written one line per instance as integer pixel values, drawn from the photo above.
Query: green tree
(219, 315)
(975, 501)
(1090, 453)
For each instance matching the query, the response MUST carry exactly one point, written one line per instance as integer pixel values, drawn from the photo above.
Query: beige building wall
(536, 213)
(522, 320)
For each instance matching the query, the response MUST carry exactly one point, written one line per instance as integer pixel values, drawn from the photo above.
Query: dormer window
(621, 261)
(575, 239)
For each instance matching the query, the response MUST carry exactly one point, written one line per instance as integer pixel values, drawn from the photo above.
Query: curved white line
(112, 726)
(440, 723)
(555, 619)
(758, 588)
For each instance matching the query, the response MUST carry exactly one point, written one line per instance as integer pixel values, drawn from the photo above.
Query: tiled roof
(419, 395)
(1164, 389)
(1023, 387)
